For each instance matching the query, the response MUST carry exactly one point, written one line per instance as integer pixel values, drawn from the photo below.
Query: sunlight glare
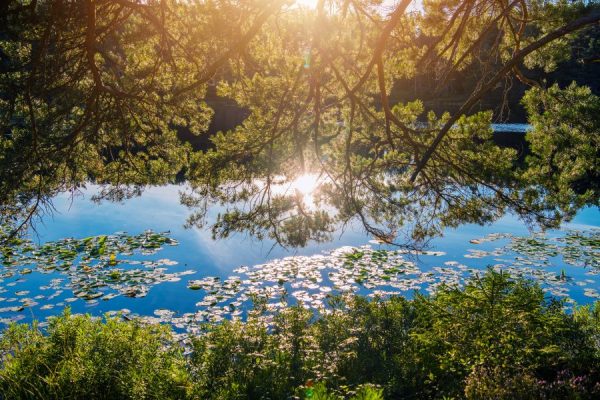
(305, 184)
(310, 4)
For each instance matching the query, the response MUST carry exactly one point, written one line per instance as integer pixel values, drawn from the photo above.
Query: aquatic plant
(498, 337)
(104, 267)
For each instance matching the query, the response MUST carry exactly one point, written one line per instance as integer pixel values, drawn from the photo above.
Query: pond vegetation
(373, 113)
(103, 267)
(494, 338)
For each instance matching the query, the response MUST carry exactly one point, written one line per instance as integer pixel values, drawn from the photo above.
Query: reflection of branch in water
(101, 95)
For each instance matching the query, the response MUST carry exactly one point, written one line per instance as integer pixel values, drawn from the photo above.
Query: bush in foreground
(497, 338)
(85, 358)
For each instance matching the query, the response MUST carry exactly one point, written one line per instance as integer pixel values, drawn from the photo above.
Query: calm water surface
(159, 209)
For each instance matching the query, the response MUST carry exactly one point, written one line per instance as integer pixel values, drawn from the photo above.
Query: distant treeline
(582, 67)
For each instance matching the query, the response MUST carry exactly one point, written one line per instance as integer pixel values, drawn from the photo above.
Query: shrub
(81, 357)
(247, 360)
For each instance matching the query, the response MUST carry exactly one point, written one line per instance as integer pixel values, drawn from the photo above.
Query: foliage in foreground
(497, 338)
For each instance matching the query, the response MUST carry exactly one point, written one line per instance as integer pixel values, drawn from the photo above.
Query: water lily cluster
(101, 268)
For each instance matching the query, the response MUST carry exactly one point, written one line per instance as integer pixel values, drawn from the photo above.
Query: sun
(310, 4)
(306, 184)
(303, 186)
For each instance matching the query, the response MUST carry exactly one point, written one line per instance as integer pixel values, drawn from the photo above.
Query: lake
(204, 279)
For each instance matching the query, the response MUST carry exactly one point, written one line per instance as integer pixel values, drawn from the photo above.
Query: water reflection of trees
(361, 179)
(96, 91)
